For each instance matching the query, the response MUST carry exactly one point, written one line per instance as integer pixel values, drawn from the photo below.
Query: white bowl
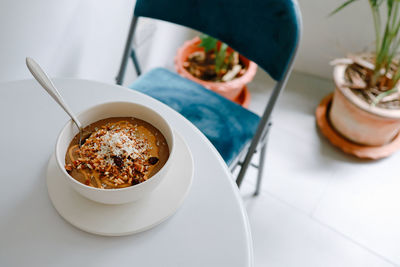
(108, 110)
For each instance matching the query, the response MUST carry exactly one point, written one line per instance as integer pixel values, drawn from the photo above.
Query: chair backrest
(265, 31)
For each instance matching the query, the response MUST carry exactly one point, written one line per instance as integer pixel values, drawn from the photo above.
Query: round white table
(210, 228)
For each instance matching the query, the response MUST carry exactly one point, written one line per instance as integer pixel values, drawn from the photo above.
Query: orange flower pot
(231, 89)
(243, 98)
(357, 120)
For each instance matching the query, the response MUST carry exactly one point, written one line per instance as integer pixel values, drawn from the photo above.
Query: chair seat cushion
(227, 125)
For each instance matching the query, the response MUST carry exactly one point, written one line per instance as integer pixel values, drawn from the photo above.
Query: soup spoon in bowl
(44, 80)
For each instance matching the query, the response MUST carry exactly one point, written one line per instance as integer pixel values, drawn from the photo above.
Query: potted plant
(216, 66)
(366, 101)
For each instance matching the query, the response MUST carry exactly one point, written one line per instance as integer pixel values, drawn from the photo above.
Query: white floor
(318, 206)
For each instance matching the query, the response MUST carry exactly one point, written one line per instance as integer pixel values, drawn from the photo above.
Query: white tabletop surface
(210, 228)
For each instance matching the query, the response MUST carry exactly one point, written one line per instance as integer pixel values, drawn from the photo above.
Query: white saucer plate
(125, 219)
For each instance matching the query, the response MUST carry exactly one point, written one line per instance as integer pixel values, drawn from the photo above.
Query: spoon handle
(48, 85)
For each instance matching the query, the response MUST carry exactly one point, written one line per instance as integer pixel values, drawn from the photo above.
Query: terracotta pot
(231, 89)
(243, 98)
(358, 121)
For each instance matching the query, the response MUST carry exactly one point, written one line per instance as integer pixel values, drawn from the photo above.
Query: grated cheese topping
(119, 142)
(116, 155)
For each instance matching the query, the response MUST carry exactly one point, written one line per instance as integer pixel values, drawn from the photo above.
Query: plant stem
(379, 42)
(377, 25)
(382, 95)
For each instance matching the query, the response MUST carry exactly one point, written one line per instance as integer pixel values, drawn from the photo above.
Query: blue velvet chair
(265, 31)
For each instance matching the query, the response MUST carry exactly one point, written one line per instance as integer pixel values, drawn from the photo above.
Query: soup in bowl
(125, 152)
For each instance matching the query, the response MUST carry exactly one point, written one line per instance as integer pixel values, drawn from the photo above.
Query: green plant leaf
(341, 7)
(209, 43)
(376, 3)
(220, 56)
(389, 6)
(382, 95)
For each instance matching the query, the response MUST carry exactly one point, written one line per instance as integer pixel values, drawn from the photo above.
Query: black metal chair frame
(260, 138)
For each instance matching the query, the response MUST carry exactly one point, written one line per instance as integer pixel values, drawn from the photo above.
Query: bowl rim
(167, 163)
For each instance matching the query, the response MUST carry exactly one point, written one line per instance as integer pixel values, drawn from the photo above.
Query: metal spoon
(48, 85)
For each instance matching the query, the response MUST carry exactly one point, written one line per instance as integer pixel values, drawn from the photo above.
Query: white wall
(156, 43)
(85, 38)
(325, 38)
(69, 38)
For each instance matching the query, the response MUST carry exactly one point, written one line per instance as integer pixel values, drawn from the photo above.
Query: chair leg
(121, 73)
(260, 169)
(136, 62)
